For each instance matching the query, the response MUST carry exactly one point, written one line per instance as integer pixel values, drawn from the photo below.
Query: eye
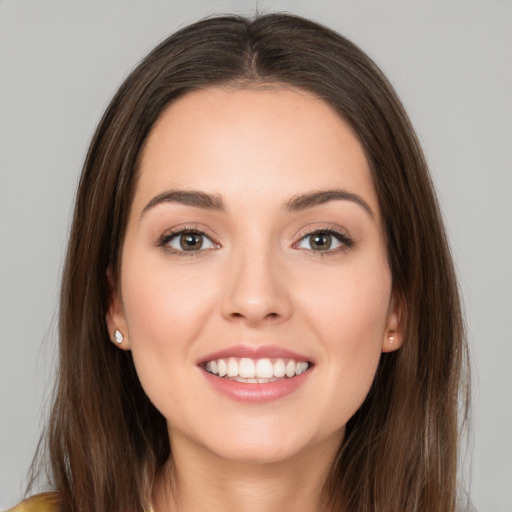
(324, 240)
(187, 240)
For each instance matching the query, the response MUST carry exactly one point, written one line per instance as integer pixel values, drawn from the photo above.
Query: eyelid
(164, 239)
(341, 236)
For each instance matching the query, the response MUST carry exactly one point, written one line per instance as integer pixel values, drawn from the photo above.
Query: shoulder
(44, 502)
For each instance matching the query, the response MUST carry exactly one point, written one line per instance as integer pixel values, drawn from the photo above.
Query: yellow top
(44, 502)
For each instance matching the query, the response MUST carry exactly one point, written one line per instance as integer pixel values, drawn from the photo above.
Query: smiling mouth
(252, 371)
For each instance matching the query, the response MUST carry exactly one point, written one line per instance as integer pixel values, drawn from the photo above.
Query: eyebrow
(303, 201)
(297, 203)
(189, 198)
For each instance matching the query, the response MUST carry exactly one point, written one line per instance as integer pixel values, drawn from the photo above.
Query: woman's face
(254, 247)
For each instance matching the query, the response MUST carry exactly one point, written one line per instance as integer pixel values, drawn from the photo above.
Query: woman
(258, 309)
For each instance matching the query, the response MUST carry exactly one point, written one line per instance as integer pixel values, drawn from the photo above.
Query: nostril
(268, 316)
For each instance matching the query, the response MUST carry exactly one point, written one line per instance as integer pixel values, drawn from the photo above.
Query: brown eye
(191, 241)
(320, 241)
(327, 240)
(187, 241)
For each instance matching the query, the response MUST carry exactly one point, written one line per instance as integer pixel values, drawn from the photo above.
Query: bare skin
(288, 485)
(283, 251)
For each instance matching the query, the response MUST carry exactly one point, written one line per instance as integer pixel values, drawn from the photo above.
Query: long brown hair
(105, 439)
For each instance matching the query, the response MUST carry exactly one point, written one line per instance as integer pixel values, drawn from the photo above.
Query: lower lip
(256, 392)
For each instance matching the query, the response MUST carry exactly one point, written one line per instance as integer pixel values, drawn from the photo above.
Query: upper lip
(254, 352)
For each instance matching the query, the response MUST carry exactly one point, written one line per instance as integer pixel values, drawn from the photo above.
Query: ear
(115, 318)
(394, 331)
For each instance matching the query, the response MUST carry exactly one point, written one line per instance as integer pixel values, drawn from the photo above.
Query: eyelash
(346, 241)
(164, 240)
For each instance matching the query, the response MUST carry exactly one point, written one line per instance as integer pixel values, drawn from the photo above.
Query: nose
(256, 291)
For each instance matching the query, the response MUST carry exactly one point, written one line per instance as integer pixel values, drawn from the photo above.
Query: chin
(261, 452)
(265, 443)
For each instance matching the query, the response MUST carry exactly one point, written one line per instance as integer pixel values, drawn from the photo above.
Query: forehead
(263, 142)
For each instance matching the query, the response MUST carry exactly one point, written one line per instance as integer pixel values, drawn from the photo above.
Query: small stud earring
(118, 337)
(391, 340)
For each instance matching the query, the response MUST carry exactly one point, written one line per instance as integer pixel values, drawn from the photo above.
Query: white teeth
(241, 379)
(264, 369)
(246, 368)
(232, 367)
(301, 367)
(279, 369)
(259, 370)
(290, 368)
(223, 367)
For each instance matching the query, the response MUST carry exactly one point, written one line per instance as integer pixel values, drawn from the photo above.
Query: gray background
(61, 61)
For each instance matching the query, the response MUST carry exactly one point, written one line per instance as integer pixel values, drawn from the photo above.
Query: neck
(203, 481)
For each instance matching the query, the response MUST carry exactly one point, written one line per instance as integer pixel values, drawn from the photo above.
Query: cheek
(165, 310)
(351, 301)
(351, 320)
(162, 303)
